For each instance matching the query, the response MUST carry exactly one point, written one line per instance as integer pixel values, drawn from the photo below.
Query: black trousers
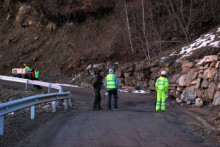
(97, 100)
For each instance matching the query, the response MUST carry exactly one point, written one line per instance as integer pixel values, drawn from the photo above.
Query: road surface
(135, 124)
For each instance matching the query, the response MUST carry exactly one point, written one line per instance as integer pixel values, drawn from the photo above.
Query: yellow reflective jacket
(162, 84)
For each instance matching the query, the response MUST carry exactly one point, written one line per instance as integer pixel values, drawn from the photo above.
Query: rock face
(193, 80)
(210, 58)
(216, 100)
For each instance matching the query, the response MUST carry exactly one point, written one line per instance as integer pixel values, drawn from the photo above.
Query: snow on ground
(122, 90)
(207, 40)
(67, 85)
(140, 91)
(135, 91)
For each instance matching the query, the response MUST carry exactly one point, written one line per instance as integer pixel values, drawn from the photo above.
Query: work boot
(95, 109)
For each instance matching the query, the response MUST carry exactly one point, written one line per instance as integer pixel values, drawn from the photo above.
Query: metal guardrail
(31, 101)
(32, 82)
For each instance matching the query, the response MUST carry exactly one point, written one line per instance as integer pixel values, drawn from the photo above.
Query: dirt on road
(134, 124)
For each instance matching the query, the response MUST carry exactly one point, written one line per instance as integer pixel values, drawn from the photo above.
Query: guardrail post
(65, 104)
(49, 87)
(26, 86)
(53, 106)
(61, 90)
(33, 112)
(1, 125)
(70, 102)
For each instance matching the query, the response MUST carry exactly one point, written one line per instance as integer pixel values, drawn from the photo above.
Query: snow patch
(121, 90)
(67, 85)
(139, 91)
(12, 113)
(97, 65)
(206, 40)
(135, 91)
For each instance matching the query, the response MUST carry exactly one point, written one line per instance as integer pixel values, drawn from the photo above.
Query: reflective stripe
(111, 83)
(162, 84)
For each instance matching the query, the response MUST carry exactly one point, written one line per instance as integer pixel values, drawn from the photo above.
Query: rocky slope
(194, 72)
(64, 37)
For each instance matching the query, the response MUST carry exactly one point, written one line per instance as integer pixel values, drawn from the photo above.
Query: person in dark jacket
(97, 84)
(32, 74)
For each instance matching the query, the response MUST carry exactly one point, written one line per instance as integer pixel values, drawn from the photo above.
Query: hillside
(63, 37)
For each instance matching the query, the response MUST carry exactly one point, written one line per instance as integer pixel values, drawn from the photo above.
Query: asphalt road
(135, 124)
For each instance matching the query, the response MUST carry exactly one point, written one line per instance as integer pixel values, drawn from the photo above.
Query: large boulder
(194, 75)
(212, 73)
(139, 75)
(205, 84)
(190, 89)
(174, 78)
(198, 102)
(198, 92)
(211, 90)
(187, 96)
(188, 65)
(189, 77)
(129, 81)
(210, 58)
(182, 80)
(216, 100)
(194, 82)
(217, 65)
(212, 64)
(179, 89)
(142, 84)
(198, 82)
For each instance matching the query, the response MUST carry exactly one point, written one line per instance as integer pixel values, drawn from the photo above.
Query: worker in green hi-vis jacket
(161, 86)
(36, 73)
(26, 67)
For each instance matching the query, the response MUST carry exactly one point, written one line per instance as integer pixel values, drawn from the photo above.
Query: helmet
(111, 71)
(163, 73)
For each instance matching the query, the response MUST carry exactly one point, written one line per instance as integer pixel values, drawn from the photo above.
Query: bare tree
(128, 25)
(179, 15)
(144, 33)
